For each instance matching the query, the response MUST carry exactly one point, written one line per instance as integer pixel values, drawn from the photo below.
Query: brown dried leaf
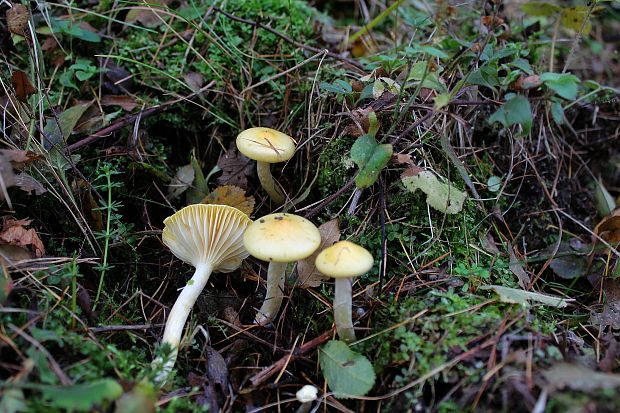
(22, 85)
(233, 196)
(194, 80)
(235, 168)
(182, 180)
(28, 184)
(527, 82)
(19, 158)
(14, 232)
(609, 228)
(308, 275)
(150, 15)
(128, 103)
(402, 158)
(17, 19)
(579, 378)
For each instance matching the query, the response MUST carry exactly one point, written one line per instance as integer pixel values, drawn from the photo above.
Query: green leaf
(516, 111)
(564, 84)
(441, 196)
(539, 8)
(339, 86)
(494, 183)
(442, 100)
(557, 113)
(82, 397)
(59, 128)
(348, 374)
(576, 18)
(604, 202)
(73, 29)
(525, 298)
(371, 158)
(199, 188)
(66, 79)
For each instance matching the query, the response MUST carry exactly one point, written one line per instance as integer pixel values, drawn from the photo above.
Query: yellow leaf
(232, 196)
(574, 18)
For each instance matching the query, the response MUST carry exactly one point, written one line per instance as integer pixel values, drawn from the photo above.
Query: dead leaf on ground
(233, 196)
(609, 228)
(579, 378)
(22, 85)
(235, 167)
(10, 254)
(11, 160)
(150, 15)
(19, 158)
(527, 82)
(181, 182)
(88, 203)
(59, 128)
(128, 103)
(609, 317)
(17, 18)
(307, 274)
(28, 184)
(14, 232)
(402, 158)
(194, 80)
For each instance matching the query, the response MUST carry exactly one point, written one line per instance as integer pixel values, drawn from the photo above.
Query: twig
(121, 123)
(330, 199)
(267, 372)
(105, 329)
(288, 39)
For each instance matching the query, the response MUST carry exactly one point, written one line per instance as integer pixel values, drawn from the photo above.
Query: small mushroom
(343, 261)
(306, 395)
(266, 146)
(209, 237)
(279, 238)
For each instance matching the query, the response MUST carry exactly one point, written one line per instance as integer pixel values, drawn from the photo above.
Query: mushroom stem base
(342, 309)
(274, 295)
(173, 330)
(263, 170)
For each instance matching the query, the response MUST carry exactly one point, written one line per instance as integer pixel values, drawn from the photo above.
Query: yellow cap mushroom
(343, 261)
(279, 238)
(266, 146)
(210, 238)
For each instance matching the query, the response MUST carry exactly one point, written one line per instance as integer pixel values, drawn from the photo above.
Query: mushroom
(343, 261)
(306, 395)
(266, 146)
(279, 238)
(209, 237)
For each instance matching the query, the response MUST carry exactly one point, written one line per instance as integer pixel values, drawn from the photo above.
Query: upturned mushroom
(266, 146)
(343, 261)
(279, 239)
(210, 238)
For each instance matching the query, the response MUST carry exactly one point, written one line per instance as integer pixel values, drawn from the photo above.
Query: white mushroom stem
(263, 169)
(342, 309)
(173, 330)
(274, 295)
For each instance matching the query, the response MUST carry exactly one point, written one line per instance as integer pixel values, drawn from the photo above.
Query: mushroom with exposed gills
(343, 261)
(210, 238)
(279, 238)
(266, 146)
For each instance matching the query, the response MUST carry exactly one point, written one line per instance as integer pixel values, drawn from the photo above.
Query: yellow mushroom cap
(344, 259)
(211, 234)
(281, 238)
(266, 145)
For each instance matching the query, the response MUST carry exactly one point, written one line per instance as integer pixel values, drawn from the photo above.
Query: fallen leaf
(10, 254)
(444, 197)
(28, 184)
(233, 196)
(517, 269)
(579, 378)
(19, 158)
(609, 317)
(604, 202)
(194, 80)
(402, 158)
(307, 274)
(235, 167)
(17, 18)
(569, 262)
(608, 229)
(118, 79)
(149, 15)
(181, 182)
(128, 103)
(14, 232)
(527, 82)
(22, 85)
(526, 298)
(58, 128)
(88, 203)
